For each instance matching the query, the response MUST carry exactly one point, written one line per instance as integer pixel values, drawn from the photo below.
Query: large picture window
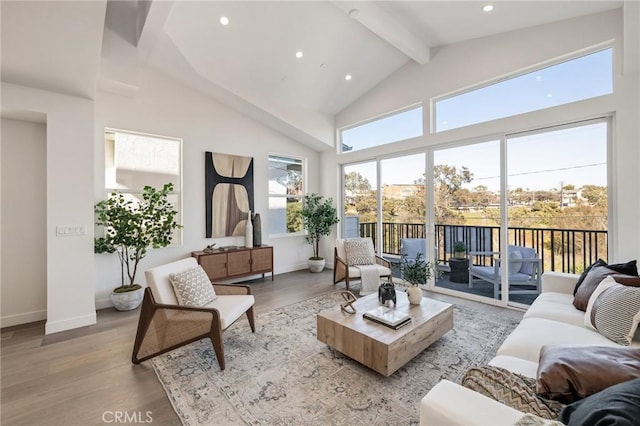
(570, 81)
(286, 190)
(394, 127)
(135, 160)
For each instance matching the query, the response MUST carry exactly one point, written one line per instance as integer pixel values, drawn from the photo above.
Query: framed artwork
(229, 194)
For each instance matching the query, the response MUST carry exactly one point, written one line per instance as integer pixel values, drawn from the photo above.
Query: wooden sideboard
(238, 262)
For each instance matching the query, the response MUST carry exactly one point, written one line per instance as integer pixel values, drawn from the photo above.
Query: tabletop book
(387, 316)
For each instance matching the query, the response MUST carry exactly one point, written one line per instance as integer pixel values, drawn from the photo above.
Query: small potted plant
(318, 216)
(416, 271)
(130, 229)
(459, 250)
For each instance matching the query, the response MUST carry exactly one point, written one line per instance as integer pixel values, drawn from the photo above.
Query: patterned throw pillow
(359, 251)
(192, 287)
(616, 313)
(511, 389)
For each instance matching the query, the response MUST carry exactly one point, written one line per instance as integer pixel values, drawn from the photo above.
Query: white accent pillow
(359, 251)
(515, 261)
(192, 287)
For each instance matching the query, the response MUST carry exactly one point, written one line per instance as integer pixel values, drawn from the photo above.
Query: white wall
(69, 202)
(163, 107)
(470, 63)
(24, 222)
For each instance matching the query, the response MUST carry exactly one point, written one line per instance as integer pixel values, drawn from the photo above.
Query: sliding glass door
(467, 217)
(503, 211)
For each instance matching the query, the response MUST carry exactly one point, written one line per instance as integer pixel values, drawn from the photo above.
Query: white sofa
(551, 319)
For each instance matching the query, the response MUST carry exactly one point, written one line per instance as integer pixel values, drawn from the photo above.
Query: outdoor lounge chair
(165, 325)
(524, 270)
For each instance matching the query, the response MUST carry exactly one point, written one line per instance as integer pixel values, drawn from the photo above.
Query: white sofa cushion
(516, 365)
(231, 307)
(557, 307)
(533, 333)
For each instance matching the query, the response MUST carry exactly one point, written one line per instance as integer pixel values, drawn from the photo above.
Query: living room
(63, 113)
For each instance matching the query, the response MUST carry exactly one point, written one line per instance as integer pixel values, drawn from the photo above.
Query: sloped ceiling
(250, 64)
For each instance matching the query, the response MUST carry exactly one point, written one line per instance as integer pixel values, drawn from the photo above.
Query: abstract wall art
(229, 194)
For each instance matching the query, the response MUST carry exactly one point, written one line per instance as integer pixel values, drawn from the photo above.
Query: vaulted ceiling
(250, 64)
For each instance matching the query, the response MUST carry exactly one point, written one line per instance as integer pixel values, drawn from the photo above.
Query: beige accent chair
(164, 325)
(342, 271)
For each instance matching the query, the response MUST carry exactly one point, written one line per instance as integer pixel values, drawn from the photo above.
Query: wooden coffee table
(377, 346)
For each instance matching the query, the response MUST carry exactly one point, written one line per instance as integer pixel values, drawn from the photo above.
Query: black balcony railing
(562, 250)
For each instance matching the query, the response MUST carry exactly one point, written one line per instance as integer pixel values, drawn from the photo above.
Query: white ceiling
(250, 64)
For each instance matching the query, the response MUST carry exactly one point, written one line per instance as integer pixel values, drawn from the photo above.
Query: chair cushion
(383, 271)
(515, 260)
(527, 253)
(412, 246)
(489, 273)
(359, 251)
(231, 307)
(192, 287)
(158, 279)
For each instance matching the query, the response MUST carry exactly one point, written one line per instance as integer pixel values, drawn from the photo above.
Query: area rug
(282, 375)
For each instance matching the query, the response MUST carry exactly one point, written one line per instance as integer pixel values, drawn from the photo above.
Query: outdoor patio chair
(524, 270)
(342, 270)
(165, 325)
(412, 246)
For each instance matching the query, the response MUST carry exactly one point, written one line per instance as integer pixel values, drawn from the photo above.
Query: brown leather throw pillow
(589, 285)
(572, 372)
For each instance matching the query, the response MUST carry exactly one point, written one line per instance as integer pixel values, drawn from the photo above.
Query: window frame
(341, 130)
(177, 190)
(303, 164)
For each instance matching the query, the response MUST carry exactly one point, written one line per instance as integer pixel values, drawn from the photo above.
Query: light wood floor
(79, 376)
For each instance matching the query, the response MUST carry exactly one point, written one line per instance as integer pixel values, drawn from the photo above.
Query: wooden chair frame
(341, 268)
(205, 323)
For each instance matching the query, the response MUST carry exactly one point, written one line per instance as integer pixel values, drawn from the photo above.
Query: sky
(575, 156)
(540, 161)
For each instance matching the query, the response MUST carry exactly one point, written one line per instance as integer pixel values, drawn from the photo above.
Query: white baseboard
(69, 323)
(24, 318)
(104, 303)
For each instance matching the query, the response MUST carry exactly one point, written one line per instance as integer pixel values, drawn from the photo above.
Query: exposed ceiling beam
(387, 28)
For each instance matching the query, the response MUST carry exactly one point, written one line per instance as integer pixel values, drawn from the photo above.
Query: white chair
(524, 270)
(343, 271)
(164, 325)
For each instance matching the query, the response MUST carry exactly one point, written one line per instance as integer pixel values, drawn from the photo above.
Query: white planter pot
(127, 301)
(316, 265)
(415, 294)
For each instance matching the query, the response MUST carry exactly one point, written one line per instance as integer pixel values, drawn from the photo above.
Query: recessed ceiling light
(347, 77)
(299, 54)
(488, 8)
(224, 20)
(549, 95)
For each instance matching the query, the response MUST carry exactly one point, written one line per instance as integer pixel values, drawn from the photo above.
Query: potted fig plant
(130, 229)
(459, 250)
(416, 271)
(318, 216)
